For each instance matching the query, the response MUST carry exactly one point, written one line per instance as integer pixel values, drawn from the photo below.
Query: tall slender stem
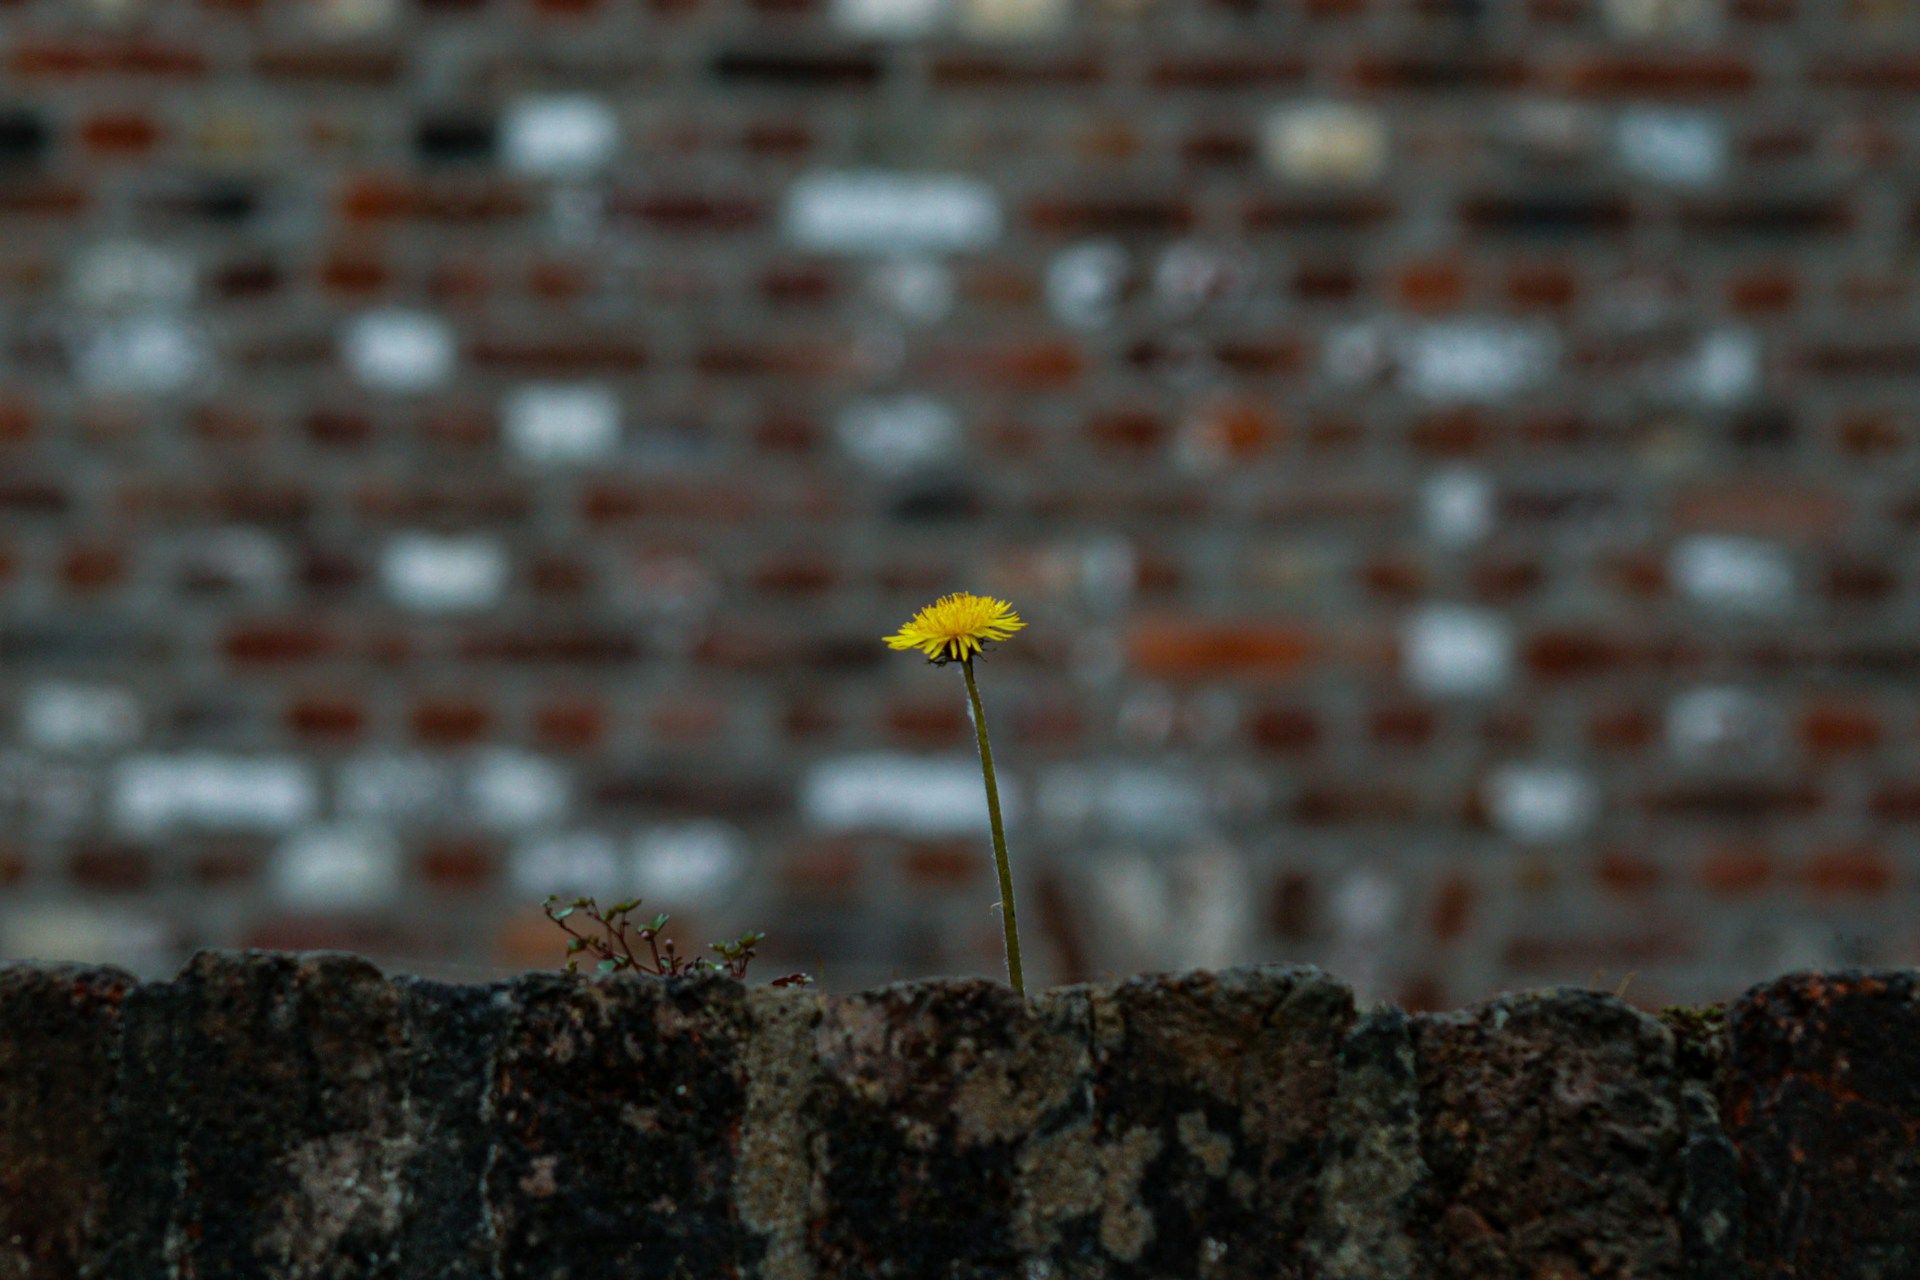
(999, 832)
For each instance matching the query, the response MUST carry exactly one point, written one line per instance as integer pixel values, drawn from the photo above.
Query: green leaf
(607, 966)
(563, 913)
(658, 923)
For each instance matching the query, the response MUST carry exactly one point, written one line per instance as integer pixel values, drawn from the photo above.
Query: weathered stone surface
(1212, 1095)
(617, 1109)
(263, 1110)
(1374, 1171)
(1552, 1132)
(454, 1034)
(1822, 1100)
(59, 1040)
(951, 1127)
(305, 1117)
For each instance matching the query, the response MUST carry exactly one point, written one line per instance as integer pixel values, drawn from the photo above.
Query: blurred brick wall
(1457, 459)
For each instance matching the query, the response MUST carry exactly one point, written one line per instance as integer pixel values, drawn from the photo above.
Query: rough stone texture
(617, 1109)
(59, 1038)
(303, 1116)
(1374, 1167)
(1823, 1102)
(1552, 1133)
(1213, 1093)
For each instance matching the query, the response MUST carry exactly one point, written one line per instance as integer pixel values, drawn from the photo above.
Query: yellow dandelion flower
(954, 628)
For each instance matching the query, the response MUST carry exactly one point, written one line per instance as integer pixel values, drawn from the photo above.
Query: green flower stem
(999, 832)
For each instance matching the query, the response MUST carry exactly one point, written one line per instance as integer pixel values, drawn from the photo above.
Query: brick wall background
(1457, 459)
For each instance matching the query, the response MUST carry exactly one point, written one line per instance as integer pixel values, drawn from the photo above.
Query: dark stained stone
(302, 1117)
(617, 1111)
(453, 1035)
(59, 1045)
(1552, 1131)
(1212, 1097)
(1374, 1172)
(951, 1122)
(1822, 1100)
(263, 1117)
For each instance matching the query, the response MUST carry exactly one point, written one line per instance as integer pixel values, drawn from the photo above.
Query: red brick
(1832, 729)
(929, 724)
(1451, 914)
(1625, 729)
(1182, 648)
(124, 135)
(451, 722)
(944, 867)
(1432, 287)
(1285, 730)
(569, 724)
(1405, 726)
(327, 719)
(1291, 907)
(1849, 871)
(461, 866)
(119, 59)
(1693, 75)
(111, 868)
(88, 569)
(829, 870)
(1731, 870)
(689, 719)
(1627, 874)
(282, 643)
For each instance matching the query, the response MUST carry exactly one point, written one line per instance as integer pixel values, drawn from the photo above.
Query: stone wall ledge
(292, 1116)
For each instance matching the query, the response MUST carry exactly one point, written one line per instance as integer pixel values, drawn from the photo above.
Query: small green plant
(617, 942)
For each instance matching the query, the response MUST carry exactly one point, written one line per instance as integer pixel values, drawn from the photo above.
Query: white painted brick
(561, 136)
(569, 864)
(1680, 148)
(131, 275)
(1539, 804)
(558, 423)
(1013, 19)
(152, 353)
(399, 351)
(1744, 575)
(1326, 143)
(87, 932)
(337, 868)
(1085, 283)
(239, 558)
(877, 211)
(58, 716)
(435, 574)
(900, 435)
(352, 17)
(911, 794)
(1365, 904)
(1725, 368)
(1456, 650)
(156, 793)
(397, 787)
(890, 19)
(688, 862)
(919, 290)
(1476, 360)
(1123, 798)
(515, 791)
(1717, 723)
(1457, 507)
(1647, 19)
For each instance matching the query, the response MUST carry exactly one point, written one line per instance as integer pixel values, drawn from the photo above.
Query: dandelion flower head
(954, 628)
